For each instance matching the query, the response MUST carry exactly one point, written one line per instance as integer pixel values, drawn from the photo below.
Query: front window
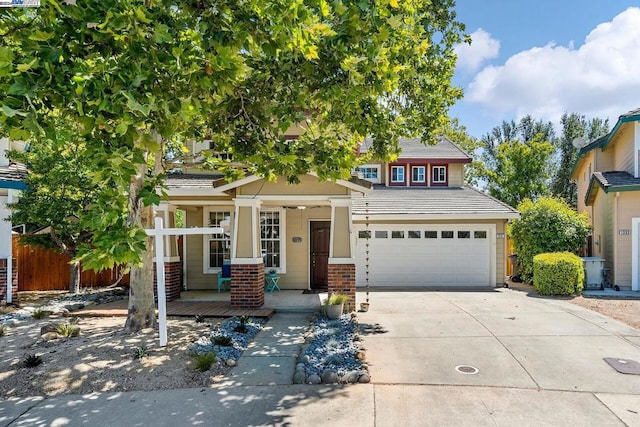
(418, 173)
(397, 173)
(371, 173)
(439, 174)
(219, 244)
(270, 231)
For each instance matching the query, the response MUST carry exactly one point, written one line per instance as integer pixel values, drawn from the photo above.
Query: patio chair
(224, 277)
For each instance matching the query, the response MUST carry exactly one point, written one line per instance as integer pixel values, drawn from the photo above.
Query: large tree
(573, 126)
(136, 77)
(517, 160)
(59, 189)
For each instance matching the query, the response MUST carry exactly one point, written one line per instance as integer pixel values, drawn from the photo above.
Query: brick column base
(172, 280)
(3, 281)
(247, 285)
(342, 280)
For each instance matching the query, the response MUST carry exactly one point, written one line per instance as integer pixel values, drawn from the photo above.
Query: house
(11, 179)
(607, 174)
(411, 222)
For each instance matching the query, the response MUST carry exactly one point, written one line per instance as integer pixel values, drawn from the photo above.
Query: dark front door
(320, 233)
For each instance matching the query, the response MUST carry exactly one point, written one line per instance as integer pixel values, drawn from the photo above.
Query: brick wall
(342, 280)
(172, 280)
(3, 280)
(247, 285)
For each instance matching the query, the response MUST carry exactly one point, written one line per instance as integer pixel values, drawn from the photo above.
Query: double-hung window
(371, 173)
(439, 175)
(417, 174)
(219, 244)
(271, 234)
(397, 174)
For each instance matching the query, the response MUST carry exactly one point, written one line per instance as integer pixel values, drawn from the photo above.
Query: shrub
(68, 330)
(242, 327)
(559, 273)
(546, 225)
(140, 352)
(31, 360)
(204, 361)
(40, 314)
(3, 330)
(337, 299)
(222, 340)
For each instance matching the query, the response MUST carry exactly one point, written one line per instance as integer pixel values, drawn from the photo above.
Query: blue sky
(546, 57)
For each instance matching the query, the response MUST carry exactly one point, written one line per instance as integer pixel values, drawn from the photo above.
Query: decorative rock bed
(332, 353)
(228, 354)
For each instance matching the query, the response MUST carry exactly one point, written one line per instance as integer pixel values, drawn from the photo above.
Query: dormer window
(397, 174)
(438, 175)
(370, 173)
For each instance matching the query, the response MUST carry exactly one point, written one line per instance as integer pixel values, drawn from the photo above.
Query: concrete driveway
(531, 352)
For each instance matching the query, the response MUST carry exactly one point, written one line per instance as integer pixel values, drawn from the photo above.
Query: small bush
(40, 314)
(222, 340)
(3, 330)
(204, 361)
(140, 352)
(242, 327)
(558, 273)
(337, 299)
(31, 360)
(68, 330)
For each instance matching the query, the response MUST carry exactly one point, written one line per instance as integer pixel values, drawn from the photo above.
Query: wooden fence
(40, 269)
(509, 251)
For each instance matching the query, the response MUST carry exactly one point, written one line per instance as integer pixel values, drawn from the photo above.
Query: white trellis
(158, 231)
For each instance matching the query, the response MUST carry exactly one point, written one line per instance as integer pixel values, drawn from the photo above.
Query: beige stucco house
(608, 181)
(407, 223)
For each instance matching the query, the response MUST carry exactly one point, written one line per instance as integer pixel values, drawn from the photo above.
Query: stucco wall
(195, 277)
(456, 175)
(602, 230)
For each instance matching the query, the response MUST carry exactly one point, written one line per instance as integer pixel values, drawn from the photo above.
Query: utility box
(593, 268)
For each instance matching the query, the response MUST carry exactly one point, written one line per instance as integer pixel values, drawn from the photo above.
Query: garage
(442, 255)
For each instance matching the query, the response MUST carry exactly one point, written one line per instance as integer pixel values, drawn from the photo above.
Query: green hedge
(558, 273)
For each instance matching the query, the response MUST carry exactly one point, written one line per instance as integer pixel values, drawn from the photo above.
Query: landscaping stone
(351, 377)
(314, 379)
(364, 379)
(299, 377)
(329, 377)
(48, 327)
(231, 362)
(304, 358)
(49, 336)
(75, 331)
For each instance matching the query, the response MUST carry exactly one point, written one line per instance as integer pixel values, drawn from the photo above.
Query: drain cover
(624, 366)
(467, 369)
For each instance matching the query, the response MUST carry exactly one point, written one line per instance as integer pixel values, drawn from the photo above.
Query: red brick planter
(172, 280)
(342, 280)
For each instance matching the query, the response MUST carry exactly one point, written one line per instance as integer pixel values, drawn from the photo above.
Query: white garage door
(422, 255)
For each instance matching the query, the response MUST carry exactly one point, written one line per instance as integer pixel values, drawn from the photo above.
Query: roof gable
(614, 181)
(414, 148)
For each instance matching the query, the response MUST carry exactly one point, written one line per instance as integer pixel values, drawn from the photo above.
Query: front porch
(214, 304)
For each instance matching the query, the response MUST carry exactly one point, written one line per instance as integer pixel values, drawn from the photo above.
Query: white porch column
(247, 265)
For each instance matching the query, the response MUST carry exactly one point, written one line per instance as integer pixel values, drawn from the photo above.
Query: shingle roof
(191, 180)
(12, 176)
(414, 148)
(611, 181)
(431, 202)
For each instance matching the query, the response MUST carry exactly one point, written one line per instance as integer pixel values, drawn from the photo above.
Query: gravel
(331, 351)
(228, 327)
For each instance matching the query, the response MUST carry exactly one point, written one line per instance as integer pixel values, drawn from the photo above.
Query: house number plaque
(624, 232)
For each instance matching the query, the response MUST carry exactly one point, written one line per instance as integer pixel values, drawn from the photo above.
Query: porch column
(247, 265)
(172, 262)
(342, 266)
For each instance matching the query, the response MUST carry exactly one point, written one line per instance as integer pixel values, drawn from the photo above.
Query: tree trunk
(142, 308)
(74, 277)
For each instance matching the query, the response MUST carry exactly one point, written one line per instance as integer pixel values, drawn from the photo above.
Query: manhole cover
(624, 366)
(467, 369)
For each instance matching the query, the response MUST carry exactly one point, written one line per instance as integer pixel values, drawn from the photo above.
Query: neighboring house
(608, 180)
(11, 178)
(426, 228)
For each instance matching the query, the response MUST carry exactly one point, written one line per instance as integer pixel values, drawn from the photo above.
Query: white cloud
(599, 78)
(482, 48)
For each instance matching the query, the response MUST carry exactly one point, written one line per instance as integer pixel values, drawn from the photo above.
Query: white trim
(197, 191)
(236, 184)
(342, 261)
(251, 202)
(377, 167)
(424, 174)
(399, 167)
(446, 177)
(203, 203)
(283, 237)
(206, 210)
(294, 198)
(168, 258)
(635, 254)
(247, 261)
(438, 217)
(335, 202)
